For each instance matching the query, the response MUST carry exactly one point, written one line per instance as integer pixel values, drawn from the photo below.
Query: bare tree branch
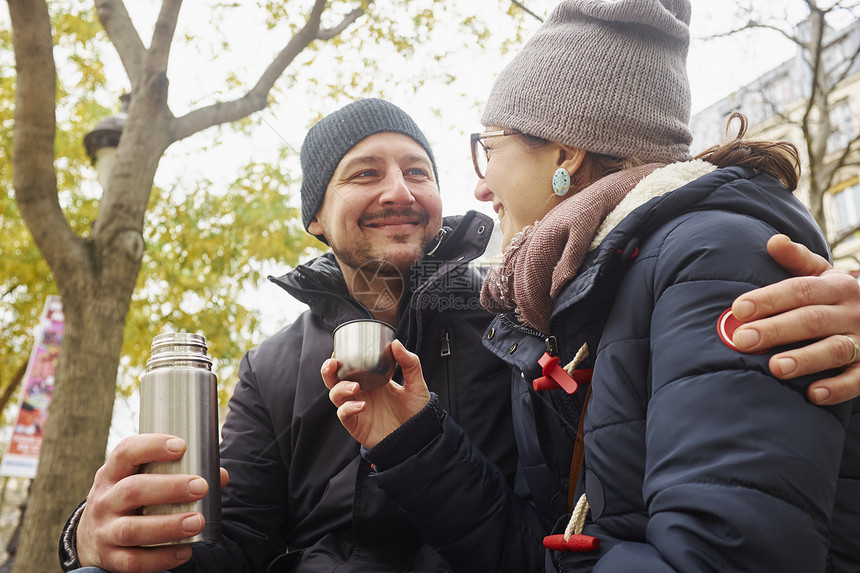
(12, 385)
(330, 33)
(819, 71)
(218, 113)
(843, 5)
(849, 66)
(11, 289)
(814, 144)
(753, 25)
(842, 160)
(809, 140)
(525, 9)
(162, 36)
(122, 34)
(255, 98)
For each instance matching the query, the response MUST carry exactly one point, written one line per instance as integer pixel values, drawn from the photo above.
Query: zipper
(449, 399)
(551, 345)
(519, 327)
(550, 342)
(446, 345)
(439, 236)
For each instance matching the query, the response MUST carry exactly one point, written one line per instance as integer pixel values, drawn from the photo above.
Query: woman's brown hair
(778, 158)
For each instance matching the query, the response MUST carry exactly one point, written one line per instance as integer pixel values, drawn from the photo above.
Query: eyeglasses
(480, 157)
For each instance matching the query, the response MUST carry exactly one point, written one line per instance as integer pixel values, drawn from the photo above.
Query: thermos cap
(178, 349)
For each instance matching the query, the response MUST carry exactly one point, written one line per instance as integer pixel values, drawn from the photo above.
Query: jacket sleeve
(253, 505)
(845, 548)
(460, 502)
(740, 468)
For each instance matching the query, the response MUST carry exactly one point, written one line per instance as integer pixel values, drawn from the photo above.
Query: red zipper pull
(554, 376)
(576, 543)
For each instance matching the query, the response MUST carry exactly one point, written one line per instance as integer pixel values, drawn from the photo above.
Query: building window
(847, 208)
(779, 92)
(842, 124)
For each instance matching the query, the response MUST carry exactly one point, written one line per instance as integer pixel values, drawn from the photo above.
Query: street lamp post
(102, 141)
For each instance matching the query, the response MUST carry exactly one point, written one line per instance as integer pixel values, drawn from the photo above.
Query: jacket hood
(319, 283)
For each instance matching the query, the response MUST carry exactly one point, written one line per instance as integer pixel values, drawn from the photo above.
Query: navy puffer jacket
(697, 459)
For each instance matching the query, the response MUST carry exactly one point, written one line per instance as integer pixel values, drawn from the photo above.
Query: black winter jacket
(299, 497)
(696, 458)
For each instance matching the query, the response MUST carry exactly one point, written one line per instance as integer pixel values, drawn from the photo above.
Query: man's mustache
(420, 217)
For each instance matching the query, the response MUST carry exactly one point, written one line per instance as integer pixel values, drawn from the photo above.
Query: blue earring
(561, 182)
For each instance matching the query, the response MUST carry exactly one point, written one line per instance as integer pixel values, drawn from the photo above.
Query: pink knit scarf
(543, 257)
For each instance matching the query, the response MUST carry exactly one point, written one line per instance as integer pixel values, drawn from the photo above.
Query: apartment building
(776, 104)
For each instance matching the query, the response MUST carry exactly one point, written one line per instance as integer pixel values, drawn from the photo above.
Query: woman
(622, 260)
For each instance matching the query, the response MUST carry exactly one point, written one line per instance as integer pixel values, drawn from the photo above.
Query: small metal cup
(363, 348)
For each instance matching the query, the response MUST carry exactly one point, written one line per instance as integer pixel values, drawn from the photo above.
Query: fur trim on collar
(658, 183)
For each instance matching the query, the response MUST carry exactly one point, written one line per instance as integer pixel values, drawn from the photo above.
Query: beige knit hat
(607, 76)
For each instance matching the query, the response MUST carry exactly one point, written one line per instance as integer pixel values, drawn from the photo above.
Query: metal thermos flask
(178, 396)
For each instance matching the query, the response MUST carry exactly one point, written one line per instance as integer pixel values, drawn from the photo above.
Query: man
(299, 497)
(297, 482)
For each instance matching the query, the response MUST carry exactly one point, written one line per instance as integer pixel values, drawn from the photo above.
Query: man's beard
(381, 278)
(383, 264)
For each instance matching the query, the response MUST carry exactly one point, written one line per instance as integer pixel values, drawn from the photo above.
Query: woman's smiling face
(518, 181)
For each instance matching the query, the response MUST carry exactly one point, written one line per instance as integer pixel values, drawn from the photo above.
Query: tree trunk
(74, 443)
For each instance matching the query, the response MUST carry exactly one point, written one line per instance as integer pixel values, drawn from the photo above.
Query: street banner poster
(22, 453)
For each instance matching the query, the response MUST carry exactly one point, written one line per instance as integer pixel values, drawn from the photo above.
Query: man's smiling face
(382, 203)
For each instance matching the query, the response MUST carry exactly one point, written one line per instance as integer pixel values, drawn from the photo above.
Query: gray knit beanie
(607, 76)
(334, 135)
